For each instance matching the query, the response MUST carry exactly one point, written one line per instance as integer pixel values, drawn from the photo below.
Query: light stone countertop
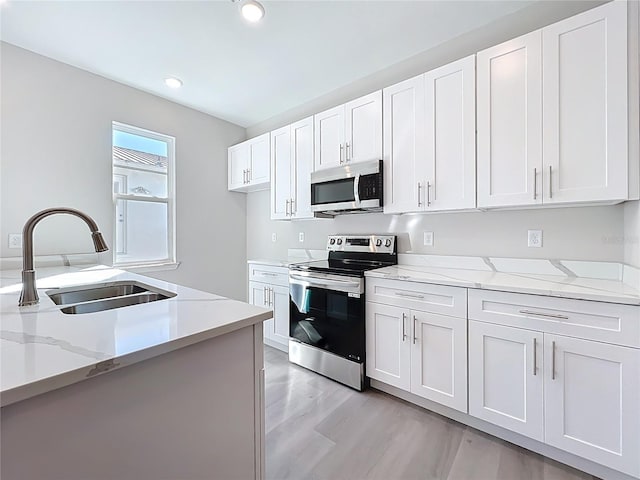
(42, 349)
(581, 288)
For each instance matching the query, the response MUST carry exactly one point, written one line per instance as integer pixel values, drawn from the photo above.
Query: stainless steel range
(327, 306)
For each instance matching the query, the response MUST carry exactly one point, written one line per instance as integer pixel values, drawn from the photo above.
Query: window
(143, 197)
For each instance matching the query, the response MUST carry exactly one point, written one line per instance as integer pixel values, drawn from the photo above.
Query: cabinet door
(506, 377)
(451, 136)
(259, 159)
(592, 401)
(439, 359)
(364, 128)
(509, 103)
(585, 106)
(280, 305)
(258, 295)
(302, 165)
(329, 138)
(280, 173)
(388, 345)
(404, 146)
(238, 159)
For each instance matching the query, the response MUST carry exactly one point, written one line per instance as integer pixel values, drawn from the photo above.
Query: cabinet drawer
(425, 297)
(605, 322)
(269, 274)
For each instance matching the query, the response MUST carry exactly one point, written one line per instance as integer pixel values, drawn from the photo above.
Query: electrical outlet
(274, 237)
(534, 238)
(15, 240)
(301, 237)
(428, 239)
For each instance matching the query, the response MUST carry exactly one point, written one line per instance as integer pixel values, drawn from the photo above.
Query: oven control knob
(332, 241)
(339, 241)
(387, 242)
(379, 242)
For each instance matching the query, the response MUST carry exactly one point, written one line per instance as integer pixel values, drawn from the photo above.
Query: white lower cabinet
(505, 377)
(592, 401)
(269, 288)
(580, 396)
(420, 352)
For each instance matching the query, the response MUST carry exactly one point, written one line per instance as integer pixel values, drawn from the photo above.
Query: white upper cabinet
(404, 122)
(584, 84)
(281, 170)
(429, 141)
(349, 133)
(510, 123)
(249, 164)
(450, 100)
(363, 140)
(302, 164)
(552, 114)
(291, 164)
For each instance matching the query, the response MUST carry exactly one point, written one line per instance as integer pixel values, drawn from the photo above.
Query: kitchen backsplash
(579, 233)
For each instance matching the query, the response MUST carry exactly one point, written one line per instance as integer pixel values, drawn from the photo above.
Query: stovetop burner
(354, 254)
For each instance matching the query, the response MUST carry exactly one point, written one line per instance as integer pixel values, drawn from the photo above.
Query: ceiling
(240, 72)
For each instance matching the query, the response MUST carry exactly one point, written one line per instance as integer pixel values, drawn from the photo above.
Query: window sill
(152, 267)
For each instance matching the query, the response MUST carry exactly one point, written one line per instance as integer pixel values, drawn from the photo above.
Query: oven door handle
(356, 189)
(338, 285)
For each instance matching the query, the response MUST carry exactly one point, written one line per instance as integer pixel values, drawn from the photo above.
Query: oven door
(327, 312)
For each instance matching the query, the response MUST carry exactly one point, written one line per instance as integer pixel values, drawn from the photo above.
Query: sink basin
(106, 296)
(111, 303)
(92, 292)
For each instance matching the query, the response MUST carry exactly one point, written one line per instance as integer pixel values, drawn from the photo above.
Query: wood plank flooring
(317, 429)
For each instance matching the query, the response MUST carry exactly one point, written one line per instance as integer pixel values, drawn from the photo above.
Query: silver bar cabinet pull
(249, 176)
(341, 150)
(404, 333)
(271, 297)
(428, 194)
(415, 321)
(291, 206)
(535, 356)
(409, 295)
(540, 314)
(419, 191)
(264, 296)
(244, 176)
(535, 183)
(553, 360)
(347, 157)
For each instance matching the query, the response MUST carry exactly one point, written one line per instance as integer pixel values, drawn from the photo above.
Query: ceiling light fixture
(252, 11)
(173, 82)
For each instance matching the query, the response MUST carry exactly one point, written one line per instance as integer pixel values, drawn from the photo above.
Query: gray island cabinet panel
(193, 413)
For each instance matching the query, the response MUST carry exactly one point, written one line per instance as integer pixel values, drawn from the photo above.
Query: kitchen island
(162, 390)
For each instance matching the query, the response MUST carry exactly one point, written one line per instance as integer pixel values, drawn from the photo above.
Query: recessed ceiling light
(252, 11)
(173, 82)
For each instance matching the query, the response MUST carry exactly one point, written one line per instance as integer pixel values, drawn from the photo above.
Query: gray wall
(631, 238)
(594, 233)
(56, 151)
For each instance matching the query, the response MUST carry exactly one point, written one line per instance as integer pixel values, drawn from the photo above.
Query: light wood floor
(318, 429)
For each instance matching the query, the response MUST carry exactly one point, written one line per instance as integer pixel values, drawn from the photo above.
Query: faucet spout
(29, 294)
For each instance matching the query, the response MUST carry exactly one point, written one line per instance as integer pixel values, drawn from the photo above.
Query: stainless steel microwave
(354, 188)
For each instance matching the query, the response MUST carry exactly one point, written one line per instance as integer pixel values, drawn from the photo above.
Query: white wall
(590, 233)
(631, 238)
(56, 151)
(581, 233)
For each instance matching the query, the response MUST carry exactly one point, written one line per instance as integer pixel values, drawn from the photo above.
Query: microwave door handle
(356, 189)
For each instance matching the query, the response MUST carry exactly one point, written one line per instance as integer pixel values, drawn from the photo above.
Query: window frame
(170, 200)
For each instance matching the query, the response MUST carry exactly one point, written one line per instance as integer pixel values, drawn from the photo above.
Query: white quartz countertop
(42, 349)
(285, 263)
(581, 288)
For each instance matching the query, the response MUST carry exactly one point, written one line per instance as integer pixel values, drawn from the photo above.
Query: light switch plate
(534, 238)
(274, 237)
(428, 239)
(15, 240)
(301, 237)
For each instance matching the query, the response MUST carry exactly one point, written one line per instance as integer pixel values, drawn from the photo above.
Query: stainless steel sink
(111, 303)
(106, 296)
